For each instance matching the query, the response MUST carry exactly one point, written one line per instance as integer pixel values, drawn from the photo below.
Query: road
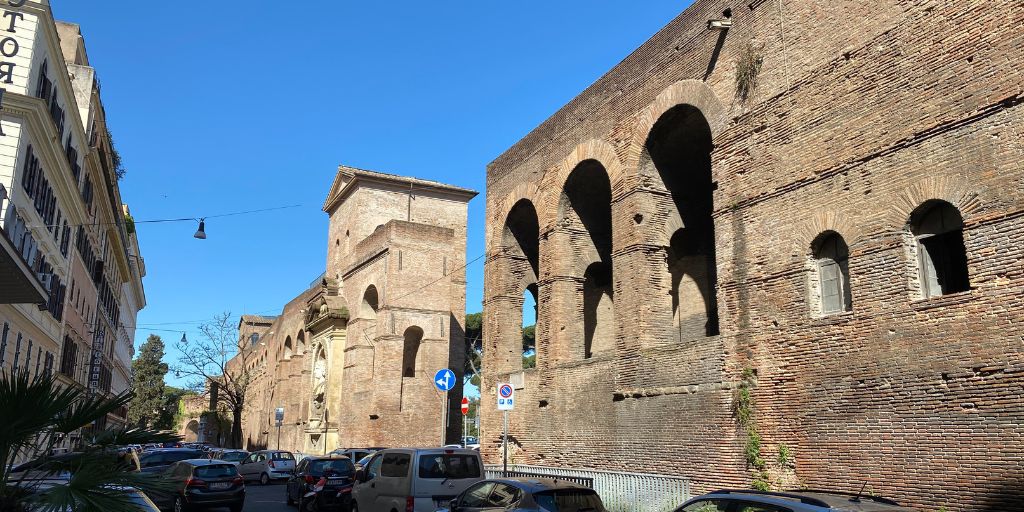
(265, 498)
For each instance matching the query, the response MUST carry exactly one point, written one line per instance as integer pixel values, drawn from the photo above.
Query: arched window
(288, 348)
(411, 349)
(942, 256)
(254, 339)
(832, 258)
(370, 303)
(300, 343)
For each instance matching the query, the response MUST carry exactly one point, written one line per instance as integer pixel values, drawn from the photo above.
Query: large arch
(585, 234)
(286, 354)
(370, 304)
(677, 155)
(516, 267)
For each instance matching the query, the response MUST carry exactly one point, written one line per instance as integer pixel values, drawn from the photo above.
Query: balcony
(18, 284)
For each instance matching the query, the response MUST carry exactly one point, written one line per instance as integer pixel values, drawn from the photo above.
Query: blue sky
(235, 105)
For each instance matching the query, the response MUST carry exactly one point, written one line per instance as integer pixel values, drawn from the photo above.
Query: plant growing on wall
(744, 405)
(748, 66)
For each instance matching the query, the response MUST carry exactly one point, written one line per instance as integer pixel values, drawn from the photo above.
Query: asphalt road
(265, 498)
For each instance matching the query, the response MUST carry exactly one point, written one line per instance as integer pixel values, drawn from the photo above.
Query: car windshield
(234, 456)
(450, 466)
(337, 467)
(218, 471)
(283, 456)
(569, 500)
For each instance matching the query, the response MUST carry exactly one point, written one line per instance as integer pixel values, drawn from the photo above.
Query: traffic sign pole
(444, 381)
(504, 448)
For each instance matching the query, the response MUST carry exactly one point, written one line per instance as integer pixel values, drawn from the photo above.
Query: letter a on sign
(506, 397)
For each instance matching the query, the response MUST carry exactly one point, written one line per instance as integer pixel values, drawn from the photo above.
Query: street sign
(465, 406)
(444, 380)
(279, 415)
(506, 397)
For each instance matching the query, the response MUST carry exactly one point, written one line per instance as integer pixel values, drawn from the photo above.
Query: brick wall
(863, 112)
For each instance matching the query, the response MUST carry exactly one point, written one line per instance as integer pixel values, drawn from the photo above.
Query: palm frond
(88, 409)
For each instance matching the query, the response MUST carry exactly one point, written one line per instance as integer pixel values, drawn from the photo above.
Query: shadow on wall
(1008, 495)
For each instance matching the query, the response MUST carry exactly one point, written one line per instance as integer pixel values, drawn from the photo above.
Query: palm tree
(38, 413)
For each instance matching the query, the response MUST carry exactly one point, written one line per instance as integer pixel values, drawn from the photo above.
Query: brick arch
(683, 92)
(951, 189)
(501, 208)
(807, 232)
(598, 150)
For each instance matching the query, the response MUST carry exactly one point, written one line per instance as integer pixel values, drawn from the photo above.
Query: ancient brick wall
(864, 116)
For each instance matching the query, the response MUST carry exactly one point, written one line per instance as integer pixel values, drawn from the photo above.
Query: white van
(415, 480)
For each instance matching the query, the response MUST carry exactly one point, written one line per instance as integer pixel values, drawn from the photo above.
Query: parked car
(158, 460)
(527, 495)
(415, 480)
(363, 462)
(233, 456)
(267, 465)
(336, 494)
(794, 501)
(354, 454)
(202, 483)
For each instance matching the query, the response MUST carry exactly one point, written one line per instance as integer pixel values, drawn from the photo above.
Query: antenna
(856, 499)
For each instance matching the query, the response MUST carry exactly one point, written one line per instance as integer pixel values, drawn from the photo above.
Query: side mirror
(360, 475)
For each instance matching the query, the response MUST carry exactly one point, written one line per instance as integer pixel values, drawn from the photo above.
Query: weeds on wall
(748, 67)
(744, 405)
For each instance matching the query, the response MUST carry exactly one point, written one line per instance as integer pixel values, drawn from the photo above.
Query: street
(265, 498)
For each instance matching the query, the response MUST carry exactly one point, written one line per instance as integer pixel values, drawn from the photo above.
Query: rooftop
(347, 176)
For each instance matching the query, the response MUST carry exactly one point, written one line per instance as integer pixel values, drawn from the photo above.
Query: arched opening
(370, 303)
(412, 338)
(287, 354)
(300, 343)
(521, 244)
(410, 350)
(530, 327)
(586, 209)
(679, 150)
(191, 432)
(941, 254)
(831, 256)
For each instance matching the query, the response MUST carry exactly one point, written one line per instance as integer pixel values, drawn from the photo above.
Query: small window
(218, 471)
(504, 496)
(477, 496)
(760, 507)
(283, 456)
(569, 500)
(395, 465)
(449, 466)
(942, 256)
(832, 257)
(373, 469)
(706, 506)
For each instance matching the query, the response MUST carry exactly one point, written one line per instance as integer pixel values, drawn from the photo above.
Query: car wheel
(288, 496)
(264, 479)
(353, 507)
(237, 507)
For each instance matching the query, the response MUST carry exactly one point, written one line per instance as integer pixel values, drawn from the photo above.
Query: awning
(18, 284)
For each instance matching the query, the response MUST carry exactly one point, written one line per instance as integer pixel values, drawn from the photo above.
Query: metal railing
(620, 492)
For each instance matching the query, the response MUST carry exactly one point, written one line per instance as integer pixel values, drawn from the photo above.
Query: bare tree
(220, 363)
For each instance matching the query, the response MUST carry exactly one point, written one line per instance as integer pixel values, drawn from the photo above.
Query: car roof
(208, 462)
(328, 457)
(532, 485)
(173, 450)
(835, 500)
(461, 451)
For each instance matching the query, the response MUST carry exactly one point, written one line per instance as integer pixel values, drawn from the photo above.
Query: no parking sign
(506, 397)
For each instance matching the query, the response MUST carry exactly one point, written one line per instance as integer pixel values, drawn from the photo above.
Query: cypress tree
(148, 382)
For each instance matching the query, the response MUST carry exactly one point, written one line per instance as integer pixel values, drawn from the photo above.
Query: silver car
(526, 495)
(267, 465)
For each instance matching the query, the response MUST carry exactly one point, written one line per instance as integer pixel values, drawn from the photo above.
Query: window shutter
(831, 291)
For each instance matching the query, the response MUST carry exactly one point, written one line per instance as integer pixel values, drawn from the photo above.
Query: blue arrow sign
(444, 380)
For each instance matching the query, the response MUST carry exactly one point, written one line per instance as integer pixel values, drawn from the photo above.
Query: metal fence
(620, 492)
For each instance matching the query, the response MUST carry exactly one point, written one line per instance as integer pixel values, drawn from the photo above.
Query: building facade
(351, 360)
(72, 281)
(776, 238)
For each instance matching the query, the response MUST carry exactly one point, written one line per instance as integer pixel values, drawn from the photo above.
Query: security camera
(725, 24)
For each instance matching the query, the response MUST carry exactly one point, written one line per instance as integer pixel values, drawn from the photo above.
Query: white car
(233, 456)
(415, 479)
(267, 465)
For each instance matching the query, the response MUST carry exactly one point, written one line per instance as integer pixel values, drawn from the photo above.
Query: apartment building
(70, 266)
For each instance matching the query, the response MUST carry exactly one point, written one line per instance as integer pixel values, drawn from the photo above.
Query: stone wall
(863, 115)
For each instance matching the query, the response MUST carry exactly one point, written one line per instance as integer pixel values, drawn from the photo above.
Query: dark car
(527, 495)
(202, 483)
(156, 461)
(789, 501)
(335, 473)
